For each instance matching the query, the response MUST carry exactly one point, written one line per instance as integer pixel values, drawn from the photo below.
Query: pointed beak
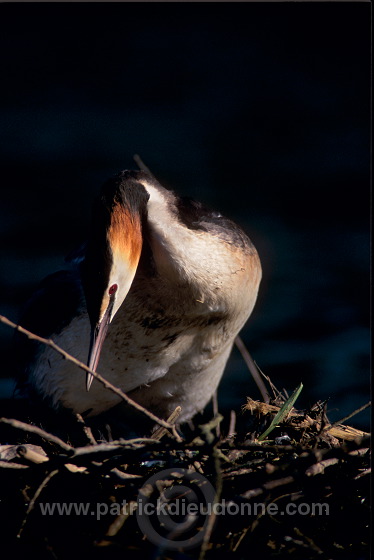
(98, 334)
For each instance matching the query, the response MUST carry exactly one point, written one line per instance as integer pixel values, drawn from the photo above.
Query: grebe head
(113, 254)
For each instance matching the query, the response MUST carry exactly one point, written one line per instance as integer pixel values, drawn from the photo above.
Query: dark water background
(259, 110)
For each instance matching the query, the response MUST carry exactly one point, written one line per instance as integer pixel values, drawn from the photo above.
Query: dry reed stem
(252, 368)
(38, 431)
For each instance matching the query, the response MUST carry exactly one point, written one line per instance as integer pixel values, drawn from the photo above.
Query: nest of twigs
(300, 492)
(268, 482)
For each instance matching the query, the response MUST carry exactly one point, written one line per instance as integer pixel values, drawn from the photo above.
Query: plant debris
(302, 494)
(268, 481)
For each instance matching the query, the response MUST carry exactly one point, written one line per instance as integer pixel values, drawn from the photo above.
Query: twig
(110, 448)
(35, 497)
(319, 468)
(310, 541)
(81, 365)
(206, 429)
(232, 423)
(30, 455)
(335, 424)
(9, 465)
(301, 421)
(109, 432)
(136, 442)
(363, 473)
(100, 448)
(124, 476)
(38, 431)
(276, 392)
(280, 482)
(160, 432)
(243, 534)
(252, 368)
(268, 486)
(216, 412)
(87, 430)
(117, 524)
(213, 515)
(175, 434)
(359, 452)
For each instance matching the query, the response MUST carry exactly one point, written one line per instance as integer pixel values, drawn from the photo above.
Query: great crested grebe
(155, 300)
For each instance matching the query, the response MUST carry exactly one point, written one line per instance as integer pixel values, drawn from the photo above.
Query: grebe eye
(113, 289)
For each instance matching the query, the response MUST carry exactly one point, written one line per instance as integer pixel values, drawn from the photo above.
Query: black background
(259, 110)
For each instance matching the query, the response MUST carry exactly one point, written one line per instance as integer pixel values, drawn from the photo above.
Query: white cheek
(122, 275)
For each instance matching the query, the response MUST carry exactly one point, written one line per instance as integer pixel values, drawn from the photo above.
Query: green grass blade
(283, 412)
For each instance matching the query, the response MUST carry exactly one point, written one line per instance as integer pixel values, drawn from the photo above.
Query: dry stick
(9, 465)
(310, 541)
(328, 428)
(212, 516)
(124, 476)
(252, 368)
(160, 432)
(175, 433)
(364, 473)
(216, 412)
(38, 431)
(81, 365)
(276, 392)
(128, 509)
(241, 538)
(102, 448)
(35, 497)
(120, 447)
(30, 455)
(87, 430)
(254, 492)
(319, 467)
(232, 423)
